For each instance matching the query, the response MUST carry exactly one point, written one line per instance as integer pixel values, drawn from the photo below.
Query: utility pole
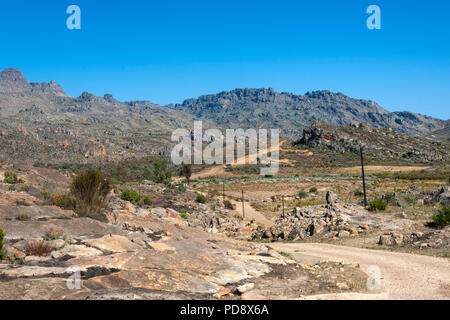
(363, 178)
(243, 209)
(223, 190)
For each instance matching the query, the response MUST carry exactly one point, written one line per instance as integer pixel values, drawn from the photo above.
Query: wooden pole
(363, 178)
(223, 190)
(243, 208)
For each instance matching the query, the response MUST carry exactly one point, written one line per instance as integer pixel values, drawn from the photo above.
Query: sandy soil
(376, 169)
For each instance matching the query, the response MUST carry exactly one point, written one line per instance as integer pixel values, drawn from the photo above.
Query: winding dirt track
(219, 170)
(403, 275)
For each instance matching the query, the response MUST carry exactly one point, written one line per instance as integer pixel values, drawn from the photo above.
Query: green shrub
(389, 197)
(302, 194)
(181, 188)
(147, 200)
(183, 215)
(2, 253)
(409, 199)
(358, 193)
(10, 177)
(442, 218)
(201, 198)
(185, 171)
(159, 173)
(313, 189)
(377, 204)
(237, 217)
(228, 205)
(130, 195)
(59, 199)
(90, 189)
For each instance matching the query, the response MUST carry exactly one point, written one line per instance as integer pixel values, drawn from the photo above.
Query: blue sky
(167, 51)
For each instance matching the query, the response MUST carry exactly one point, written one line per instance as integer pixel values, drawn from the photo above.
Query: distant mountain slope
(441, 134)
(19, 99)
(40, 123)
(267, 108)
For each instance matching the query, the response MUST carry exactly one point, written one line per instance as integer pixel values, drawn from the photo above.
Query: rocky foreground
(178, 248)
(145, 254)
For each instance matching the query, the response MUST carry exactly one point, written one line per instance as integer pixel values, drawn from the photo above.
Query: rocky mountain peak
(12, 81)
(12, 75)
(253, 108)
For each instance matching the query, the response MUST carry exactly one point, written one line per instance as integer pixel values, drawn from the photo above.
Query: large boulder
(442, 196)
(331, 198)
(316, 227)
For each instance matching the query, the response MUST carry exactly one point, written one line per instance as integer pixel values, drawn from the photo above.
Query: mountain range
(93, 125)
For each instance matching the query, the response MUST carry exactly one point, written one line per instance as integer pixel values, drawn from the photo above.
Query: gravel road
(403, 275)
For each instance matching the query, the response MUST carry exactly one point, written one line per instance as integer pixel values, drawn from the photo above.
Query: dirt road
(219, 170)
(251, 214)
(403, 275)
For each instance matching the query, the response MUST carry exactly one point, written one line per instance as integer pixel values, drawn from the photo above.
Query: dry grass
(23, 216)
(38, 248)
(53, 233)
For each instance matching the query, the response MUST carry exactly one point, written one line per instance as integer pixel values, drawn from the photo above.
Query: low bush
(38, 248)
(53, 233)
(390, 198)
(130, 195)
(185, 171)
(201, 198)
(23, 216)
(442, 218)
(2, 253)
(377, 205)
(159, 172)
(228, 205)
(90, 189)
(302, 194)
(237, 217)
(59, 199)
(10, 177)
(183, 215)
(313, 189)
(147, 200)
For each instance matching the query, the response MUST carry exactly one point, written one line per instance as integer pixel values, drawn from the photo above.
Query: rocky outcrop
(441, 196)
(148, 251)
(379, 144)
(326, 221)
(438, 239)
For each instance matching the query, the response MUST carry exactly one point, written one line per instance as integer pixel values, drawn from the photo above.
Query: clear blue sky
(167, 51)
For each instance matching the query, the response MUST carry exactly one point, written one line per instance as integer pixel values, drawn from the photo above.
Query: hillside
(342, 143)
(267, 108)
(40, 123)
(441, 134)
